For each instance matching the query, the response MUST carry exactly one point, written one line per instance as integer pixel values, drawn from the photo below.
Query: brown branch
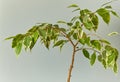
(71, 65)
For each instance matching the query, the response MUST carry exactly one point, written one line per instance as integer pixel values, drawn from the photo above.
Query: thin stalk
(71, 65)
(89, 49)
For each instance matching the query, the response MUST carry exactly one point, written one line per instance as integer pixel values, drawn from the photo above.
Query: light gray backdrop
(41, 65)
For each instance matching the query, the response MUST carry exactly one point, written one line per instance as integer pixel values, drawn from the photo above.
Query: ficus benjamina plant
(80, 32)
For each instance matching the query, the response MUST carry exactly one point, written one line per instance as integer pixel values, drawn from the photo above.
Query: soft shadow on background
(41, 65)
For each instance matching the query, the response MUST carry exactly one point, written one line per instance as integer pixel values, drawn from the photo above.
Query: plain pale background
(41, 65)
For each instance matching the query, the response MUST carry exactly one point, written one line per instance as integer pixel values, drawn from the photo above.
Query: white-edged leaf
(113, 33)
(104, 13)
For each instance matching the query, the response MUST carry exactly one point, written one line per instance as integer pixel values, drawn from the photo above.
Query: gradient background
(41, 65)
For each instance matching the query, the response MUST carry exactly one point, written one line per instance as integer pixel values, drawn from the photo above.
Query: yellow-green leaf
(18, 48)
(73, 5)
(96, 44)
(104, 14)
(17, 39)
(27, 41)
(104, 63)
(115, 68)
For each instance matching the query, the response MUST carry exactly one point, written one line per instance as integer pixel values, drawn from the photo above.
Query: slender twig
(79, 49)
(67, 37)
(89, 49)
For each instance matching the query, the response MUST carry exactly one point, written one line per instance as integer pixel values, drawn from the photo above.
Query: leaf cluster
(76, 34)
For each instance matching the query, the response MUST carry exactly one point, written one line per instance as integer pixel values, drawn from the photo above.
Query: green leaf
(115, 68)
(111, 58)
(17, 39)
(18, 48)
(35, 36)
(95, 21)
(47, 44)
(58, 43)
(89, 19)
(114, 13)
(82, 41)
(104, 14)
(87, 41)
(108, 48)
(61, 46)
(108, 7)
(104, 55)
(86, 53)
(33, 29)
(63, 22)
(104, 63)
(42, 33)
(78, 9)
(74, 18)
(89, 25)
(113, 33)
(83, 38)
(116, 52)
(9, 38)
(77, 23)
(87, 22)
(93, 58)
(96, 44)
(73, 5)
(27, 41)
(69, 24)
(75, 36)
(104, 41)
(84, 12)
(32, 44)
(100, 58)
(63, 29)
(107, 3)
